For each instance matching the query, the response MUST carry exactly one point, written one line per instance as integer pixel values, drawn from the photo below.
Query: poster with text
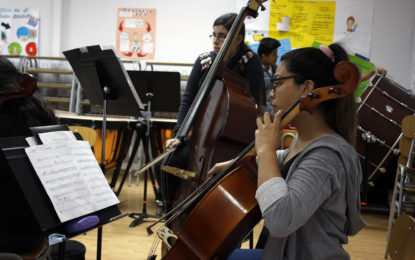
(302, 21)
(136, 33)
(19, 31)
(348, 22)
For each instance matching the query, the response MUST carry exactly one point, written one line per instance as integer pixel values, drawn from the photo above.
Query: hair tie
(326, 50)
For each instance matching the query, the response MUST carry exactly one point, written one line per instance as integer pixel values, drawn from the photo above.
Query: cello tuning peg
(262, 6)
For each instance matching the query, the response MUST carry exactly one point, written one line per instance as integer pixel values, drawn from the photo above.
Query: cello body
(235, 206)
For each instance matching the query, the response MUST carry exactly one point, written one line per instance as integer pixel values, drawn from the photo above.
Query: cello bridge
(167, 236)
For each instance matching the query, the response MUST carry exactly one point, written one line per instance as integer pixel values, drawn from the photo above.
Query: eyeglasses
(220, 36)
(277, 81)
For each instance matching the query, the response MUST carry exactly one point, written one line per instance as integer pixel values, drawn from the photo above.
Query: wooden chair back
(402, 239)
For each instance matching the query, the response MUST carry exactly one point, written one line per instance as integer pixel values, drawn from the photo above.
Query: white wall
(393, 39)
(183, 27)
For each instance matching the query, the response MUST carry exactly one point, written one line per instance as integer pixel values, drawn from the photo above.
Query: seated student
(309, 193)
(19, 230)
(267, 50)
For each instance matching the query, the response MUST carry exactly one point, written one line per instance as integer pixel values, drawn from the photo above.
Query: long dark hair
(25, 112)
(313, 64)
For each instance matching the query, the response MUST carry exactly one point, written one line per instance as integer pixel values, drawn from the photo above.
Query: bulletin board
(300, 23)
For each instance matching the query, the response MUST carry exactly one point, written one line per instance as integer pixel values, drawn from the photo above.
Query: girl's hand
(268, 134)
(218, 167)
(171, 143)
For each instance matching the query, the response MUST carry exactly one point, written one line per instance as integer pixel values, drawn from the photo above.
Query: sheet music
(56, 136)
(71, 177)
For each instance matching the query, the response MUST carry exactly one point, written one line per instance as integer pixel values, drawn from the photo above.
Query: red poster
(136, 33)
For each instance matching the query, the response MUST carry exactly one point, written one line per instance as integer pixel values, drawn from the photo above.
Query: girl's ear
(308, 86)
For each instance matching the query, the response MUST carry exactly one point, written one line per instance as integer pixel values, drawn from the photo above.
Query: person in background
(19, 230)
(338, 49)
(367, 75)
(309, 194)
(267, 50)
(243, 62)
(17, 115)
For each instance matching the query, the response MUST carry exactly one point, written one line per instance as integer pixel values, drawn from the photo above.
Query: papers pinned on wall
(284, 26)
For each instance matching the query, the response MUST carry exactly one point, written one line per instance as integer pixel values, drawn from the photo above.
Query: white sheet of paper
(31, 140)
(56, 136)
(284, 27)
(71, 177)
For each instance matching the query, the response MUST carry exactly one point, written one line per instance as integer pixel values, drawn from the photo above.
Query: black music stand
(23, 182)
(106, 83)
(161, 90)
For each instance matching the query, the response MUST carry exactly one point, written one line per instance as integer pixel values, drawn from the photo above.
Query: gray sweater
(310, 214)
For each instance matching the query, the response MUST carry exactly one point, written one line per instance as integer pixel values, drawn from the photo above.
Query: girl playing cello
(309, 193)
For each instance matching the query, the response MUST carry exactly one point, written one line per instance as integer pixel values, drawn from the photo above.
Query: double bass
(221, 118)
(230, 195)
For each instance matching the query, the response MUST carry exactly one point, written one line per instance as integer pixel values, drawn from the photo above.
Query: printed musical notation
(71, 176)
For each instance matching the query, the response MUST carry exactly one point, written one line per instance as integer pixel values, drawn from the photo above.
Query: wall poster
(19, 29)
(348, 22)
(136, 33)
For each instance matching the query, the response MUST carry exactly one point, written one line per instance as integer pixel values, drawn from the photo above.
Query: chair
(87, 133)
(403, 197)
(402, 239)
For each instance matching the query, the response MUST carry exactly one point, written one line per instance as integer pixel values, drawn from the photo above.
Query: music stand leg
(124, 132)
(99, 243)
(104, 129)
(130, 162)
(139, 217)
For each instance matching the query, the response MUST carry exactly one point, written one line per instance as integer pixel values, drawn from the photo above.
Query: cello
(230, 195)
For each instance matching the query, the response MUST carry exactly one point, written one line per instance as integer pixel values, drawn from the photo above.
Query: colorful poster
(302, 21)
(136, 33)
(354, 25)
(19, 31)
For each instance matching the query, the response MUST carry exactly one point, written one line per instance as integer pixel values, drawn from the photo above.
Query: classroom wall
(183, 27)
